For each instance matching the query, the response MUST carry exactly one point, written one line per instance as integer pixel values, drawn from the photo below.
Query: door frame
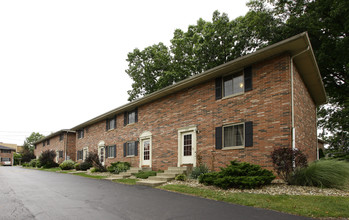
(192, 129)
(101, 145)
(145, 136)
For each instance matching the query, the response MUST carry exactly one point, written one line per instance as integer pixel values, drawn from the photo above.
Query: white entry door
(188, 147)
(101, 155)
(146, 152)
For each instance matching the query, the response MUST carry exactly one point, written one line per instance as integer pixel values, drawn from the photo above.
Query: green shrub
(145, 174)
(197, 171)
(181, 177)
(119, 167)
(47, 159)
(67, 165)
(238, 175)
(25, 164)
(77, 166)
(93, 159)
(34, 163)
(85, 166)
(285, 160)
(323, 173)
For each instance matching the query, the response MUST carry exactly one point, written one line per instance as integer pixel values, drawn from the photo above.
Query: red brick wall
(57, 145)
(268, 105)
(305, 119)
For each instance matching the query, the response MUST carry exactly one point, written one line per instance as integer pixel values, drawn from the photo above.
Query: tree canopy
(210, 43)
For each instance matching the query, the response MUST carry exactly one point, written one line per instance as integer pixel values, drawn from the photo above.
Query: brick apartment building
(62, 142)
(240, 110)
(6, 155)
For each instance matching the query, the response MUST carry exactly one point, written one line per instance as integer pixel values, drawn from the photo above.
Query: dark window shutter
(115, 121)
(136, 148)
(125, 118)
(114, 151)
(248, 78)
(218, 138)
(248, 134)
(218, 88)
(136, 115)
(106, 151)
(107, 125)
(125, 149)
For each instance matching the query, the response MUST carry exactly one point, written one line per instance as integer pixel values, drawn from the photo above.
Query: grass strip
(310, 206)
(126, 181)
(89, 176)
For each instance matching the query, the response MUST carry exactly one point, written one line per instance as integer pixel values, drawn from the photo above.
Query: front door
(101, 155)
(146, 152)
(188, 147)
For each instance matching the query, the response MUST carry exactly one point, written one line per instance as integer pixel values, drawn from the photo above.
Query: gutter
(292, 99)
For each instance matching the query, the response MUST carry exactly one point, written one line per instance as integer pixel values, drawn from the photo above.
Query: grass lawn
(126, 181)
(90, 176)
(311, 206)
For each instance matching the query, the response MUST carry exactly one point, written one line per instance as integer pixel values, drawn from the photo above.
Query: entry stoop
(128, 173)
(161, 178)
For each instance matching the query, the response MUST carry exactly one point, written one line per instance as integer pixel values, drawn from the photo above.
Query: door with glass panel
(146, 152)
(188, 147)
(101, 154)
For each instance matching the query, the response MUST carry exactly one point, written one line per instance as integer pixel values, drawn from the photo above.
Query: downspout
(292, 100)
(65, 150)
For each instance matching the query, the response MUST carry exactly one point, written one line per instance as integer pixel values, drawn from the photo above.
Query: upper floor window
(44, 143)
(80, 133)
(61, 137)
(6, 151)
(233, 84)
(48, 142)
(131, 117)
(111, 123)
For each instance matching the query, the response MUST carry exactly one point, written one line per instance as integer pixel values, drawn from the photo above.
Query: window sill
(233, 95)
(233, 148)
(111, 129)
(130, 156)
(110, 157)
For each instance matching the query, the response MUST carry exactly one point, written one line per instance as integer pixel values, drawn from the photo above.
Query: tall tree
(28, 143)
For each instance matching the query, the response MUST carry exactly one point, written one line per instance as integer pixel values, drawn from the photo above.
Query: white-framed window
(233, 135)
(80, 133)
(233, 84)
(111, 151)
(111, 123)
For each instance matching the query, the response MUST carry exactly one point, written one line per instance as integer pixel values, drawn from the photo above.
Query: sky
(63, 62)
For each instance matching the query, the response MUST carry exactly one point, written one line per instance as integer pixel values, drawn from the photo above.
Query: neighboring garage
(6, 155)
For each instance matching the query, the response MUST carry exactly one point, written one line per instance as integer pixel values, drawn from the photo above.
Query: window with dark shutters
(249, 134)
(248, 78)
(218, 135)
(131, 117)
(218, 88)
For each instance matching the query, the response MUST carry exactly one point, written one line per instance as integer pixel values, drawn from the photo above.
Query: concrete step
(160, 178)
(177, 168)
(114, 178)
(170, 175)
(174, 171)
(151, 183)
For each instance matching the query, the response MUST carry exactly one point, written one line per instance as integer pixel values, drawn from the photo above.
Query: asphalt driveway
(33, 194)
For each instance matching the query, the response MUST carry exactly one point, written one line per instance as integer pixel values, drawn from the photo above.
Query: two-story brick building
(6, 155)
(240, 110)
(62, 142)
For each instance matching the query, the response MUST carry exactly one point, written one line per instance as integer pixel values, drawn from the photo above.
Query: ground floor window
(3, 159)
(111, 151)
(233, 135)
(131, 149)
(60, 153)
(79, 155)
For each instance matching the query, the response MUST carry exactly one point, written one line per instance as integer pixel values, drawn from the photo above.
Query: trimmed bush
(77, 166)
(197, 171)
(181, 177)
(67, 165)
(85, 166)
(238, 175)
(47, 159)
(284, 160)
(145, 175)
(323, 173)
(119, 167)
(34, 163)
